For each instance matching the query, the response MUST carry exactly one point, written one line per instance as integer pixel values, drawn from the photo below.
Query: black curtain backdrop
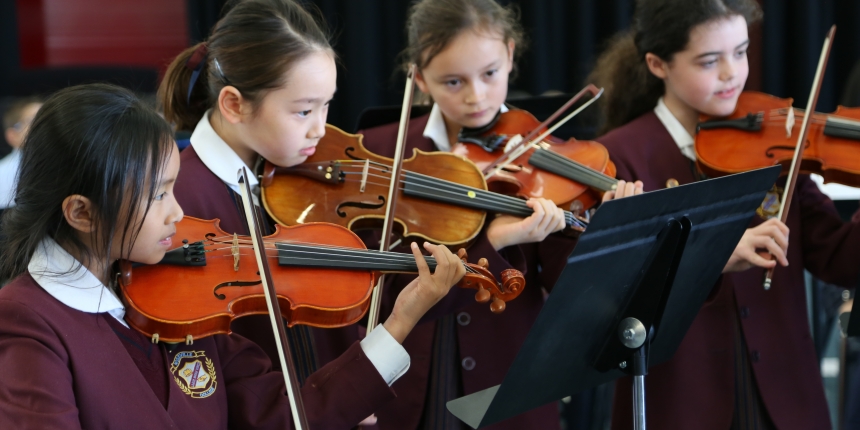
(564, 38)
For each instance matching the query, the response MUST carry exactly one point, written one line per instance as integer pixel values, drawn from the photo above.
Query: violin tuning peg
(483, 295)
(484, 263)
(462, 255)
(498, 305)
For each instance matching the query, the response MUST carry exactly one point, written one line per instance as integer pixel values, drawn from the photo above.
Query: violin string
(504, 202)
(412, 178)
(343, 252)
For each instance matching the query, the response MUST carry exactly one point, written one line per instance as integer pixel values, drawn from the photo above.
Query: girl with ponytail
(259, 89)
(748, 360)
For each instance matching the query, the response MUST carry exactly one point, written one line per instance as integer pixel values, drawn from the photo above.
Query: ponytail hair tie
(196, 63)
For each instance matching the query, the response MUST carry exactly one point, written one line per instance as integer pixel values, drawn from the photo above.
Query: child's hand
(425, 291)
(624, 189)
(506, 230)
(771, 235)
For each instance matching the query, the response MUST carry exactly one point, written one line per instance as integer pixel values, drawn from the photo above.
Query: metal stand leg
(640, 369)
(639, 402)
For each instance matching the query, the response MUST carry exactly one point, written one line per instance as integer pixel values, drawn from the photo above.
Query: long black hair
(98, 141)
(661, 27)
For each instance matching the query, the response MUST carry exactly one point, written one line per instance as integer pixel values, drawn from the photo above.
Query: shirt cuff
(388, 357)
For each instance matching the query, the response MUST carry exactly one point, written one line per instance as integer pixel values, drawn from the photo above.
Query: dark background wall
(129, 42)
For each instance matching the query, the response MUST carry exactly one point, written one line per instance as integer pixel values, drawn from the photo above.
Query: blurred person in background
(16, 122)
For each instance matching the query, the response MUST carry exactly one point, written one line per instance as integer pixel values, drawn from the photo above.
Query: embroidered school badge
(194, 373)
(770, 206)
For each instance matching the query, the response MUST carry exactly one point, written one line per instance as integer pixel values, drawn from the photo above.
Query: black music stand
(630, 291)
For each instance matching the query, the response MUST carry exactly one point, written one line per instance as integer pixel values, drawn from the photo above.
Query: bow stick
(284, 354)
(804, 132)
(397, 168)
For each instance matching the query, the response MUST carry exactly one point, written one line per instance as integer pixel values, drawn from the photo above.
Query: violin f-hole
(359, 205)
(232, 284)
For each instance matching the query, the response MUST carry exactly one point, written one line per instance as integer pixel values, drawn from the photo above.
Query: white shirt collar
(58, 273)
(436, 130)
(219, 157)
(679, 134)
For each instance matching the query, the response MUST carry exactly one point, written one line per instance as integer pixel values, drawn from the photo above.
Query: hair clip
(220, 72)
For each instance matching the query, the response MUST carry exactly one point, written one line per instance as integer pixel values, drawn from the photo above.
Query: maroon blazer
(487, 343)
(695, 389)
(203, 195)
(61, 368)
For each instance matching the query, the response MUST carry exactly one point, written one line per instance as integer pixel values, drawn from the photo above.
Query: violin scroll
(497, 294)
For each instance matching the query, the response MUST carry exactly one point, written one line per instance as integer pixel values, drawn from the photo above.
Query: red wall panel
(102, 32)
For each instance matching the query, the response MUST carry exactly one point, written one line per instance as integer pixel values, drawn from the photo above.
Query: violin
(322, 273)
(763, 132)
(572, 173)
(442, 198)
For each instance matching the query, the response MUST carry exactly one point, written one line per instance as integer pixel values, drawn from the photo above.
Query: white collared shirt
(679, 134)
(65, 279)
(8, 172)
(220, 157)
(436, 130)
(388, 357)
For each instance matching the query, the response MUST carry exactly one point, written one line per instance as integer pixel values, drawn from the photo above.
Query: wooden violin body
(561, 171)
(322, 273)
(354, 196)
(756, 136)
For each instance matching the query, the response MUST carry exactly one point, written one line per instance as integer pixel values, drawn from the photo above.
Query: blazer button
(745, 312)
(756, 356)
(464, 318)
(468, 363)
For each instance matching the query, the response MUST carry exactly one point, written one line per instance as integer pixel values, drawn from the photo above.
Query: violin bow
(519, 145)
(397, 168)
(793, 172)
(284, 353)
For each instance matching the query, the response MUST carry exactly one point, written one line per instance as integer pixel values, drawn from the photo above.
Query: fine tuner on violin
(323, 277)
(444, 197)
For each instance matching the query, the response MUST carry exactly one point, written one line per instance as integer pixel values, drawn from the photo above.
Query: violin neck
(567, 168)
(430, 188)
(291, 254)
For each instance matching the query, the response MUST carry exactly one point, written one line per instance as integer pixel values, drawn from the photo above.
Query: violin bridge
(789, 123)
(155, 338)
(364, 173)
(234, 249)
(513, 142)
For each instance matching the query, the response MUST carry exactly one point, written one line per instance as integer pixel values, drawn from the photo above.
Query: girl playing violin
(97, 185)
(748, 359)
(259, 89)
(464, 51)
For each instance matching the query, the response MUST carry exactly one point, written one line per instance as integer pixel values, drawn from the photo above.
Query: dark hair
(98, 141)
(661, 27)
(13, 113)
(255, 44)
(433, 24)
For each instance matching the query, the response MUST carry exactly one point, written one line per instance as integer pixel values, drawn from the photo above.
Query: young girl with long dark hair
(748, 360)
